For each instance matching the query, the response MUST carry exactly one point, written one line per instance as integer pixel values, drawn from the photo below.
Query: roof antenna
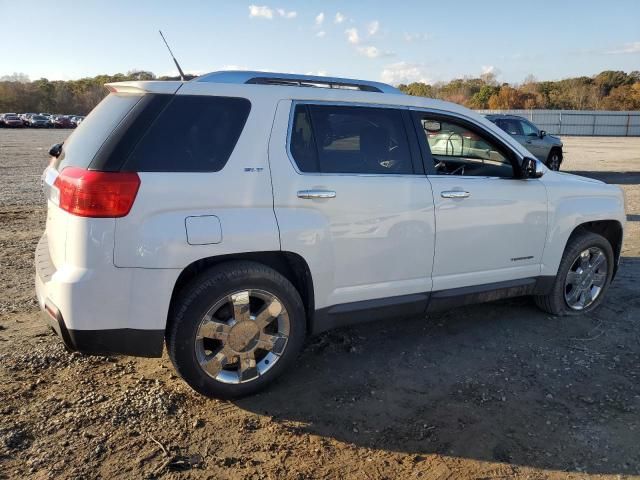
(174, 58)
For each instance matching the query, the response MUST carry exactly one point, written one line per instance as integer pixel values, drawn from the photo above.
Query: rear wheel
(583, 276)
(554, 159)
(236, 328)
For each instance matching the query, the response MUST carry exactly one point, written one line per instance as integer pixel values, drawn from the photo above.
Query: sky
(394, 42)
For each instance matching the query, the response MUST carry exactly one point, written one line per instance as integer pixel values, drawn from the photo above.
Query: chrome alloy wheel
(586, 278)
(242, 336)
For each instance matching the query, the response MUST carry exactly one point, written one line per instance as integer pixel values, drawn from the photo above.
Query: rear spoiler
(138, 88)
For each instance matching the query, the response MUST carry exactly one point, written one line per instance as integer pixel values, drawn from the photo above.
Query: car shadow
(621, 178)
(501, 382)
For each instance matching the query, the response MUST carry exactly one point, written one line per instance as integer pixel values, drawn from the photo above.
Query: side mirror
(55, 150)
(532, 168)
(542, 133)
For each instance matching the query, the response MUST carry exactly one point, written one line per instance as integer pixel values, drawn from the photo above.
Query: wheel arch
(290, 265)
(609, 229)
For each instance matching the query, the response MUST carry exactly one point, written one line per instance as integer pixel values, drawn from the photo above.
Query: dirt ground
(498, 390)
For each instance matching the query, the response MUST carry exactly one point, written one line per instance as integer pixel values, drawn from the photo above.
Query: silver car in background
(545, 147)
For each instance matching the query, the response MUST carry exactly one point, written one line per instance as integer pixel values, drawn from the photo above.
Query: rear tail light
(87, 193)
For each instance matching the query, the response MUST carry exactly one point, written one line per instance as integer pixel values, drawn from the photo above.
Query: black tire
(206, 290)
(555, 302)
(554, 159)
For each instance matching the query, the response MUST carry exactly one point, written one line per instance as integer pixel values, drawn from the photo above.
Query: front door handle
(454, 194)
(316, 194)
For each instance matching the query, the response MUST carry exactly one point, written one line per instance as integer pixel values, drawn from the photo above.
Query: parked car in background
(76, 120)
(62, 121)
(39, 121)
(25, 118)
(232, 215)
(11, 120)
(545, 147)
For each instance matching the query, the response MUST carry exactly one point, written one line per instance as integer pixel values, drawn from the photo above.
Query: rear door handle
(454, 194)
(316, 194)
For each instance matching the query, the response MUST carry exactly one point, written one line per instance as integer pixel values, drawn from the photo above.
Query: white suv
(235, 214)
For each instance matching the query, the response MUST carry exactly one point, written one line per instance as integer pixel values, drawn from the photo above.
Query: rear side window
(81, 146)
(192, 134)
(512, 127)
(345, 139)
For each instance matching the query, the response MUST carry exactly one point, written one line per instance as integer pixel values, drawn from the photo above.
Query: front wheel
(554, 159)
(235, 328)
(583, 277)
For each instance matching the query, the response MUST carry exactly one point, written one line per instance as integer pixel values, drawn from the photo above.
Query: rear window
(82, 145)
(192, 134)
(350, 139)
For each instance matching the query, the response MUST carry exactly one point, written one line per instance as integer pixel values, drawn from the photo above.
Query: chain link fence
(581, 122)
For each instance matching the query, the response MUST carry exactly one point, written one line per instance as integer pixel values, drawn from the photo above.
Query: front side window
(529, 130)
(458, 149)
(345, 139)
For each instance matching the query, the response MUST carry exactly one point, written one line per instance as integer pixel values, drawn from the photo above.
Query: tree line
(19, 94)
(608, 90)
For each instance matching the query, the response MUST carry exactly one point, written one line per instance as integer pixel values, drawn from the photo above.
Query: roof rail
(288, 79)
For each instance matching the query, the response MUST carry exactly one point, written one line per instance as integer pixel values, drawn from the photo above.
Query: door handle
(316, 194)
(454, 194)
(529, 141)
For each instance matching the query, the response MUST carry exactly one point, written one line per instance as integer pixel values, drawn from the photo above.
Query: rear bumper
(69, 301)
(121, 341)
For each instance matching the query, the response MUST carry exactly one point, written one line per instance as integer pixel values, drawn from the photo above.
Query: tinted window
(460, 150)
(303, 147)
(338, 139)
(82, 145)
(529, 129)
(192, 134)
(512, 127)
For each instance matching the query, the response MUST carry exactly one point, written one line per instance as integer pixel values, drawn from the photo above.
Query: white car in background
(233, 215)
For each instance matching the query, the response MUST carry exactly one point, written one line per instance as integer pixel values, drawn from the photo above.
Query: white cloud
(321, 34)
(263, 11)
(260, 11)
(633, 47)
(403, 72)
(283, 13)
(320, 18)
(352, 36)
(373, 52)
(486, 69)
(319, 73)
(414, 37)
(373, 27)
(339, 18)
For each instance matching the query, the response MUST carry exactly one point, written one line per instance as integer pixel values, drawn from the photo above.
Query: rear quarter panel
(153, 234)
